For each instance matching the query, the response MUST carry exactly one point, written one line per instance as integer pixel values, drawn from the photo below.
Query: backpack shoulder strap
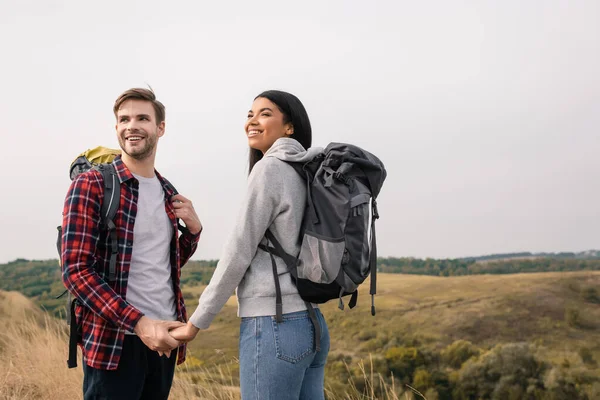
(110, 205)
(170, 187)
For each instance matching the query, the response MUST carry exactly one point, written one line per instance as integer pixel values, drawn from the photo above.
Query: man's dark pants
(141, 374)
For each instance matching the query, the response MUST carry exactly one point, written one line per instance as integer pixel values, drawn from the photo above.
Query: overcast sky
(485, 113)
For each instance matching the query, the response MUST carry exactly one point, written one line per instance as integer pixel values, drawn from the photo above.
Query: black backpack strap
(73, 334)
(278, 300)
(313, 318)
(290, 262)
(110, 205)
(170, 187)
(373, 258)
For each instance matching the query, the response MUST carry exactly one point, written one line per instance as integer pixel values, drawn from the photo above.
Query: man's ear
(161, 129)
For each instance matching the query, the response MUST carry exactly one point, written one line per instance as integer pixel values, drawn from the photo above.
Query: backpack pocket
(358, 238)
(320, 258)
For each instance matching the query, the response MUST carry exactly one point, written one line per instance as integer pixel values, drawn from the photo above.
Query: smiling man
(125, 324)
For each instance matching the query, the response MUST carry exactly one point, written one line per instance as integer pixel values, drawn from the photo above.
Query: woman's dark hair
(293, 112)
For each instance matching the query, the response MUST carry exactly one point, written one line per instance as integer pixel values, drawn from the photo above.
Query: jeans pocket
(294, 338)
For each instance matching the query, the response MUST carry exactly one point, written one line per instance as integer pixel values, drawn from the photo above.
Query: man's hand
(184, 210)
(155, 334)
(185, 333)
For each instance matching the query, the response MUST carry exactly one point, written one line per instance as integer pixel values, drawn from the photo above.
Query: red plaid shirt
(103, 312)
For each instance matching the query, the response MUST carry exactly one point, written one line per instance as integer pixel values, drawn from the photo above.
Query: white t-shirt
(149, 286)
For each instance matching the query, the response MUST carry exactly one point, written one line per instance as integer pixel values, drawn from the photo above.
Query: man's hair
(141, 94)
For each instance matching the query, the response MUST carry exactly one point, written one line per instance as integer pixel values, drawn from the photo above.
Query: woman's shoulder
(266, 171)
(268, 165)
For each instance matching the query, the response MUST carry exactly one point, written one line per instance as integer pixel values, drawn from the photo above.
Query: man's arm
(81, 221)
(188, 242)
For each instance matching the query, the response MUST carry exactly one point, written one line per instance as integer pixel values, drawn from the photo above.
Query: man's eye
(123, 120)
(144, 118)
(249, 115)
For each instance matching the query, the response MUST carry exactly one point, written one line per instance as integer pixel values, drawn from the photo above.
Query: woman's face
(265, 125)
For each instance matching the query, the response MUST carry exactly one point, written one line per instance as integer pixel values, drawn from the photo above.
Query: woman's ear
(289, 131)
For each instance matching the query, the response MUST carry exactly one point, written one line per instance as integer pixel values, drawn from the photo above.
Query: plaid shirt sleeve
(187, 245)
(81, 219)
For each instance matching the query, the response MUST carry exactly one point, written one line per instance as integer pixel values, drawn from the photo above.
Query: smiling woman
(283, 357)
(265, 124)
(275, 114)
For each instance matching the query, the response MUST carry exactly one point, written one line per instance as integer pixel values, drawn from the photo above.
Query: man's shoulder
(90, 180)
(166, 184)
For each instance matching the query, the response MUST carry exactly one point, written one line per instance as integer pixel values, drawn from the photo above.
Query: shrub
(458, 352)
(590, 294)
(505, 372)
(573, 317)
(402, 361)
(587, 357)
(422, 380)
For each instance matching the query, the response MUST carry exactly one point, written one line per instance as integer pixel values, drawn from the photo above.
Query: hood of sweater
(288, 149)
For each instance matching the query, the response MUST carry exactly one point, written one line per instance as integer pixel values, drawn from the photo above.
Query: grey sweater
(275, 200)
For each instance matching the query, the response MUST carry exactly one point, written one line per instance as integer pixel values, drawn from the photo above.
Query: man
(125, 325)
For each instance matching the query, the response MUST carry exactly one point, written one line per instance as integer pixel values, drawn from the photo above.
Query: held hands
(155, 334)
(184, 210)
(184, 333)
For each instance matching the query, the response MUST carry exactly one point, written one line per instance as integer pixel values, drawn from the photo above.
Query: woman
(277, 360)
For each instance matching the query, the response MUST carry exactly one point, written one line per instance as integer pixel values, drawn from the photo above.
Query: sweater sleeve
(261, 205)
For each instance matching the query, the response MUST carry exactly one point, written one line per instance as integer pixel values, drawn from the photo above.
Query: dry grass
(33, 353)
(485, 309)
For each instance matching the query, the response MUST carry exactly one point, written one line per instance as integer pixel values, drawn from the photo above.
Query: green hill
(500, 336)
(440, 333)
(40, 279)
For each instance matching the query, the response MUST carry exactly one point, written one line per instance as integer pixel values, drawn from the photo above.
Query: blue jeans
(278, 360)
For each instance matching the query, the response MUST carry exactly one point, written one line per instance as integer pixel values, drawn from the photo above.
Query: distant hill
(458, 337)
(582, 255)
(41, 280)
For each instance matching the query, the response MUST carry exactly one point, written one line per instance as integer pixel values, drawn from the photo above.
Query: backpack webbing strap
(313, 318)
(112, 193)
(353, 299)
(290, 262)
(278, 300)
(169, 186)
(373, 257)
(58, 242)
(72, 361)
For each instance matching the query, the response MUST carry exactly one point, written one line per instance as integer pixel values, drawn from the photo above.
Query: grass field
(484, 309)
(557, 313)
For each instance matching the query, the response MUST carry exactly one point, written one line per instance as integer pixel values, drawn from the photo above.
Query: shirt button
(130, 243)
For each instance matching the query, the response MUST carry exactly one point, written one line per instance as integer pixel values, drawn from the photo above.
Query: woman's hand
(184, 333)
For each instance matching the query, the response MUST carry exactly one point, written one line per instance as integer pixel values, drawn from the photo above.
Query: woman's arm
(261, 205)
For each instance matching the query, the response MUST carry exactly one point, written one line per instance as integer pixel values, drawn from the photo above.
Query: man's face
(137, 128)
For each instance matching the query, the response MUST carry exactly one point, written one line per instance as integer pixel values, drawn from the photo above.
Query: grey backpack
(339, 249)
